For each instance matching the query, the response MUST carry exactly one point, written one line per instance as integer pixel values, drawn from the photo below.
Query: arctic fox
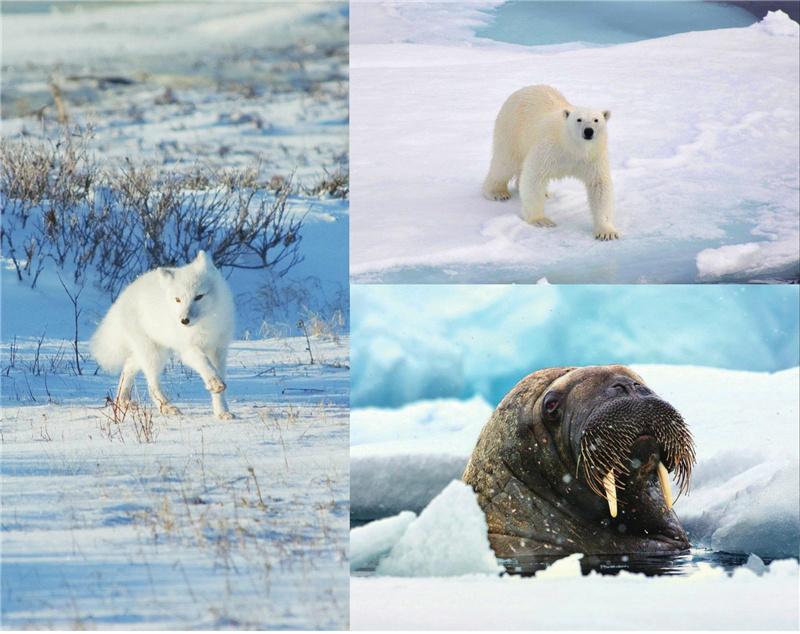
(188, 309)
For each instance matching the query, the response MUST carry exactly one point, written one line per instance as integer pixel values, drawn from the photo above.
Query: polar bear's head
(587, 125)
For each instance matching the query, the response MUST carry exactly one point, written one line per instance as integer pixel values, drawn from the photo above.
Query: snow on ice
(376, 539)
(708, 599)
(450, 538)
(687, 109)
(743, 499)
(744, 496)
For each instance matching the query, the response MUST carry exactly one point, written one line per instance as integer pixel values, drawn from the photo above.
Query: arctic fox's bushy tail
(108, 344)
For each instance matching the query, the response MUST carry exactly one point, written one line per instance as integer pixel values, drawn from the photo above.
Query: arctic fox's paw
(606, 233)
(169, 409)
(215, 385)
(226, 416)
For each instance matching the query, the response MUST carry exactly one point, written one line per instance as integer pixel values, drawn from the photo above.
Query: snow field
(212, 524)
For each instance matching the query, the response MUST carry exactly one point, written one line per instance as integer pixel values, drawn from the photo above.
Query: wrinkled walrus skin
(535, 484)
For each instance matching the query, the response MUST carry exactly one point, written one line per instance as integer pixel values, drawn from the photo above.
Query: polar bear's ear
(606, 114)
(566, 113)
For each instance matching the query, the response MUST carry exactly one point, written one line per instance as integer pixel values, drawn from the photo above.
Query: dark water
(663, 565)
(603, 23)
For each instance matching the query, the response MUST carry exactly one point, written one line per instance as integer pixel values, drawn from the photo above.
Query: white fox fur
(189, 310)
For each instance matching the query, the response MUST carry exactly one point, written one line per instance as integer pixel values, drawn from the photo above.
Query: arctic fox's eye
(178, 299)
(198, 298)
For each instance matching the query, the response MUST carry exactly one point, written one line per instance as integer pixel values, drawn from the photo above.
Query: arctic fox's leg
(129, 371)
(218, 358)
(152, 358)
(533, 191)
(196, 359)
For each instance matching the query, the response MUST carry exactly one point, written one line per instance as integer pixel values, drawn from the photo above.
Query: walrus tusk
(663, 479)
(610, 485)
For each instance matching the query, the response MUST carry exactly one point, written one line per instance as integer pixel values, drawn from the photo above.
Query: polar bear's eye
(595, 120)
(579, 120)
(198, 298)
(178, 299)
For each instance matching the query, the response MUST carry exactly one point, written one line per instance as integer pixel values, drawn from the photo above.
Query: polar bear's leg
(601, 203)
(501, 171)
(533, 191)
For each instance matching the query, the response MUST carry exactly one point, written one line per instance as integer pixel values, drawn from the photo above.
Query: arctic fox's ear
(165, 275)
(606, 114)
(566, 114)
(202, 259)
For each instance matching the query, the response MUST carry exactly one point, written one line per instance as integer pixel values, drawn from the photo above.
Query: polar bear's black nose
(185, 321)
(588, 133)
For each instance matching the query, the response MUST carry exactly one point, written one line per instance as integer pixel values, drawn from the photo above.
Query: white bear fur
(539, 137)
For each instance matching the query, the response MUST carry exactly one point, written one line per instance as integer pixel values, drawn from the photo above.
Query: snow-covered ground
(182, 522)
(213, 524)
(744, 499)
(704, 144)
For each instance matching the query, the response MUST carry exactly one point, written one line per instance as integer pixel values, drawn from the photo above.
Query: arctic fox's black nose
(588, 133)
(185, 321)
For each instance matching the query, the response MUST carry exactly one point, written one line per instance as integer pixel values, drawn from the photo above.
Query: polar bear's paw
(541, 221)
(547, 194)
(225, 416)
(496, 191)
(607, 233)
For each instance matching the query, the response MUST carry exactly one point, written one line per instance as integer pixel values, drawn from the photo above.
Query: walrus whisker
(606, 447)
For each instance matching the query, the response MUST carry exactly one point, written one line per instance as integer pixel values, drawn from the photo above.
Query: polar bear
(539, 136)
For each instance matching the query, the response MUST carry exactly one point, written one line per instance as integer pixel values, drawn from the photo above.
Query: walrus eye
(551, 403)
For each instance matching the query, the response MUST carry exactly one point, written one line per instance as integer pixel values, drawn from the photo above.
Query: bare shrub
(335, 184)
(141, 418)
(44, 183)
(144, 424)
(326, 327)
(58, 205)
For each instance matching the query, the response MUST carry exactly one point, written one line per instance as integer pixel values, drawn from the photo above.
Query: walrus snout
(629, 437)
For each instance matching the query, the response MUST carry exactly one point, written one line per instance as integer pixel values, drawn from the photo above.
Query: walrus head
(579, 460)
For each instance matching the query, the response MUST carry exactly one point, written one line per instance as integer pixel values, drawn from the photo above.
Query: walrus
(577, 460)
